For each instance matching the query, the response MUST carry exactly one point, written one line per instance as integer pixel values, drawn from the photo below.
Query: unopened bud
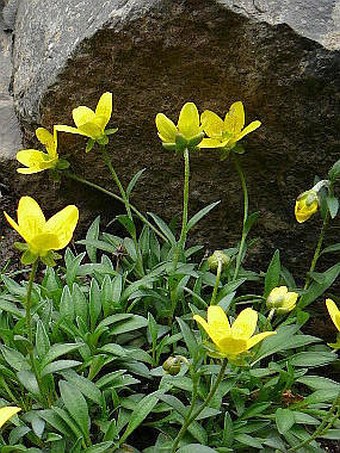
(282, 300)
(172, 365)
(218, 257)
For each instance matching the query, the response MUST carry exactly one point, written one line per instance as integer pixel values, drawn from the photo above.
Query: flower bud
(281, 300)
(172, 365)
(306, 205)
(218, 257)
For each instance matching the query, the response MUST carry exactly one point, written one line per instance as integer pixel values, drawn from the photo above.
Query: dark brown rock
(155, 56)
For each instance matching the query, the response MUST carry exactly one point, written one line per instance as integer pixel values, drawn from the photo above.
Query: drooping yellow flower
(226, 133)
(7, 412)
(91, 123)
(306, 205)
(36, 160)
(334, 312)
(188, 132)
(234, 340)
(43, 236)
(282, 300)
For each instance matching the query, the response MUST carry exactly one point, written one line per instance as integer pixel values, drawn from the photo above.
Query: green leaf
(134, 181)
(312, 359)
(76, 405)
(134, 322)
(29, 381)
(332, 248)
(164, 228)
(14, 358)
(189, 339)
(200, 214)
(58, 350)
(92, 234)
(250, 441)
(57, 422)
(94, 303)
(319, 382)
(334, 172)
(80, 303)
(42, 340)
(59, 365)
(251, 219)
(103, 447)
(127, 223)
(89, 145)
(284, 419)
(142, 410)
(72, 266)
(272, 278)
(87, 387)
(190, 448)
(333, 434)
(316, 289)
(333, 205)
(66, 306)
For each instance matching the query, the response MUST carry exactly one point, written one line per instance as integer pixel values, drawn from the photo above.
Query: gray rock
(275, 56)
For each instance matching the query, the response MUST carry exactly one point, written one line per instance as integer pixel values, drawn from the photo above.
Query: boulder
(279, 57)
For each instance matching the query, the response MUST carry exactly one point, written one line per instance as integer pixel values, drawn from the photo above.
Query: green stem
(182, 239)
(192, 415)
(28, 303)
(317, 249)
(217, 282)
(108, 162)
(245, 216)
(323, 427)
(118, 198)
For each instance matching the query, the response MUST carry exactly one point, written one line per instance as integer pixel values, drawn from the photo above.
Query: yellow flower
(334, 312)
(225, 134)
(92, 123)
(188, 132)
(43, 236)
(7, 412)
(234, 340)
(281, 299)
(35, 160)
(306, 205)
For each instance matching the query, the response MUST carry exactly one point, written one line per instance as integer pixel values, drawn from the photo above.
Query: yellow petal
(7, 412)
(92, 130)
(48, 140)
(334, 312)
(257, 338)
(30, 157)
(104, 108)
(218, 321)
(189, 121)
(211, 143)
(82, 115)
(31, 219)
(235, 118)
(42, 243)
(12, 223)
(232, 346)
(62, 225)
(245, 324)
(71, 130)
(166, 128)
(212, 124)
(250, 128)
(202, 322)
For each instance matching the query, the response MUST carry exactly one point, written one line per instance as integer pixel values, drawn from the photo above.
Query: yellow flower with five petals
(188, 132)
(226, 133)
(7, 412)
(231, 341)
(41, 236)
(91, 123)
(36, 160)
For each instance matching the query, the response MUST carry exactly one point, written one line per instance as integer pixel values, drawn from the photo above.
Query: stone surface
(156, 55)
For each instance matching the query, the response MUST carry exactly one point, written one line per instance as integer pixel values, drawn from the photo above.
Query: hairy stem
(245, 217)
(192, 415)
(182, 239)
